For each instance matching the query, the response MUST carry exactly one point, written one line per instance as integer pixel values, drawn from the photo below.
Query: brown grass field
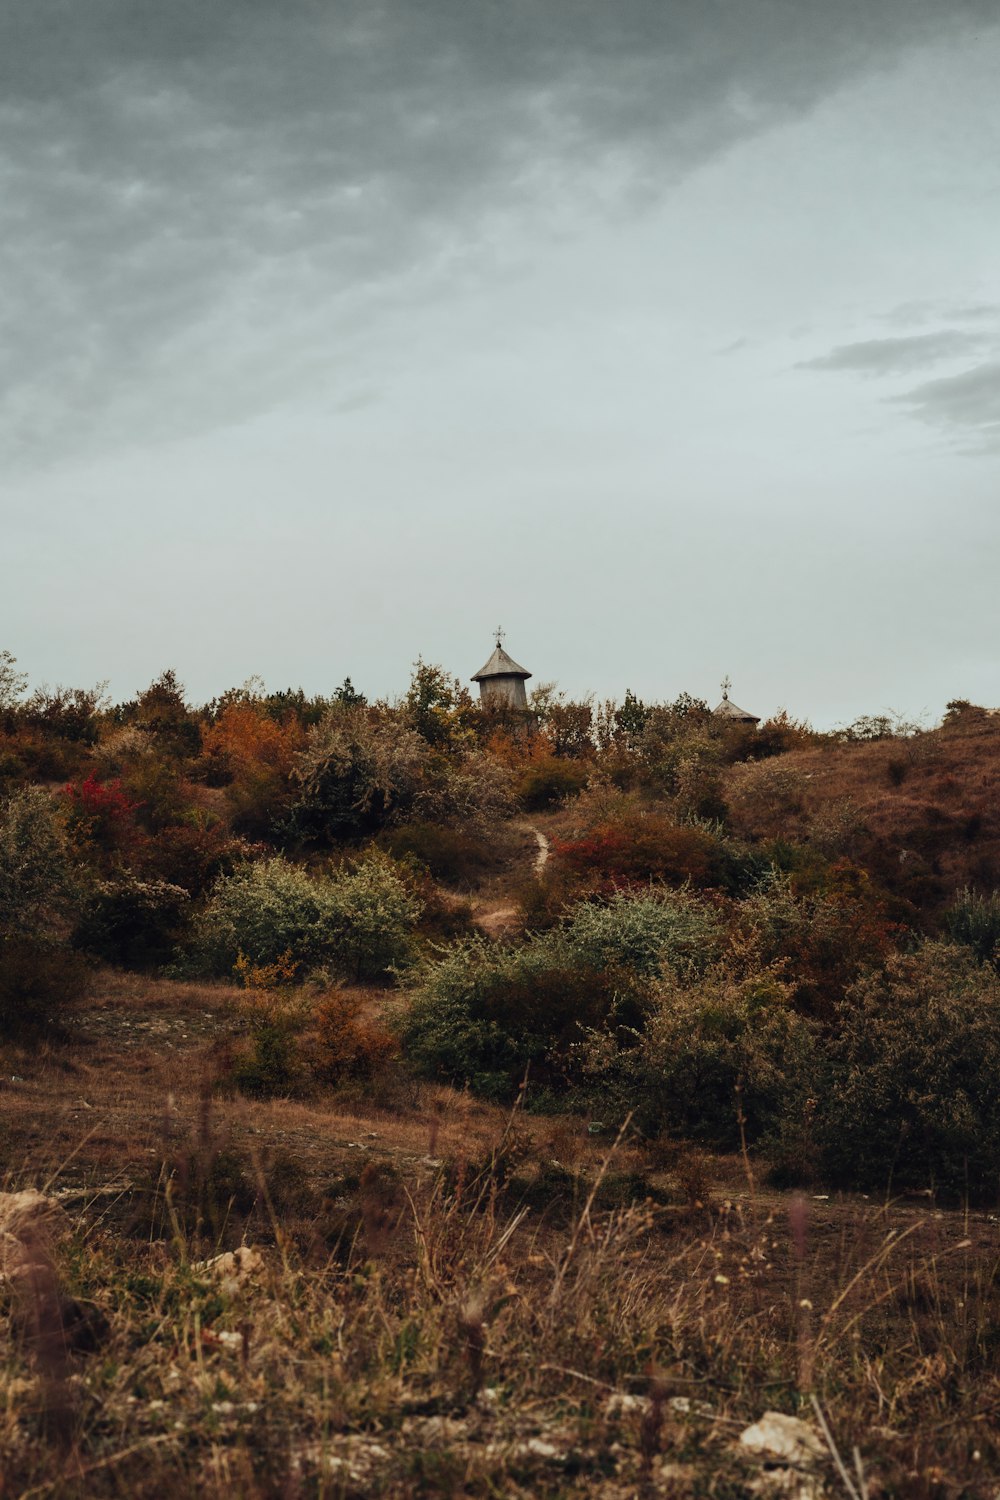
(453, 1301)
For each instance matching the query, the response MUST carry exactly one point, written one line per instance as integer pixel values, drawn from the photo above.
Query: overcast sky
(665, 333)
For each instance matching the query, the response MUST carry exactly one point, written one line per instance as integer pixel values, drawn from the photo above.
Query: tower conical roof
(500, 665)
(729, 710)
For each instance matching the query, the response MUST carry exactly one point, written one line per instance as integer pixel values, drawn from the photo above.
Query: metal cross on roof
(501, 635)
(726, 685)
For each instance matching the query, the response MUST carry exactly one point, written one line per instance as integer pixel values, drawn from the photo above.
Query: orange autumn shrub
(251, 754)
(348, 1044)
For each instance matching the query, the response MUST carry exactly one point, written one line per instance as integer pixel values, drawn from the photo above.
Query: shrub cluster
(359, 921)
(738, 930)
(482, 1013)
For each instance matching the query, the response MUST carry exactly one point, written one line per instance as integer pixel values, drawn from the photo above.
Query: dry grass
(453, 1302)
(923, 812)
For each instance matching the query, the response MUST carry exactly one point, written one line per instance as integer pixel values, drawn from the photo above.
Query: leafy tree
(359, 769)
(162, 711)
(348, 695)
(440, 707)
(37, 877)
(12, 682)
(631, 718)
(567, 725)
(66, 713)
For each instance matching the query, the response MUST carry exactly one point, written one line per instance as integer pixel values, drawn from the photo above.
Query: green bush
(133, 922)
(974, 920)
(270, 1068)
(915, 1059)
(709, 1051)
(824, 936)
(38, 980)
(475, 792)
(37, 886)
(657, 931)
(359, 921)
(369, 917)
(483, 1012)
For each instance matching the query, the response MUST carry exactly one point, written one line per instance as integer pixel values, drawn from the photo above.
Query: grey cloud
(906, 314)
(981, 312)
(968, 402)
(891, 356)
(175, 177)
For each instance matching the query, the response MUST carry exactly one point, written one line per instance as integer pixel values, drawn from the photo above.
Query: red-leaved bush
(640, 848)
(101, 812)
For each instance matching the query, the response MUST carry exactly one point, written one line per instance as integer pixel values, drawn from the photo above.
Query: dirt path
(499, 918)
(541, 858)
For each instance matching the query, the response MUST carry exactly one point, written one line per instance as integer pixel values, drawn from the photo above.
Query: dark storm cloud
(890, 356)
(969, 402)
(227, 185)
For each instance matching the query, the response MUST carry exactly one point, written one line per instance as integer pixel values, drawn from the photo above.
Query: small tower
(501, 681)
(728, 710)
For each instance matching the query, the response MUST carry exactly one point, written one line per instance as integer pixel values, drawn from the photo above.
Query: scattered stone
(230, 1340)
(30, 1212)
(30, 1223)
(690, 1408)
(539, 1448)
(778, 1436)
(234, 1268)
(622, 1404)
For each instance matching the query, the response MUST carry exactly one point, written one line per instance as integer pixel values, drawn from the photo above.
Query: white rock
(234, 1267)
(687, 1407)
(29, 1213)
(622, 1404)
(779, 1436)
(29, 1223)
(539, 1448)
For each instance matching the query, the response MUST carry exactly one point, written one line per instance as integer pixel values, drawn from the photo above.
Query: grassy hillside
(585, 1084)
(922, 814)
